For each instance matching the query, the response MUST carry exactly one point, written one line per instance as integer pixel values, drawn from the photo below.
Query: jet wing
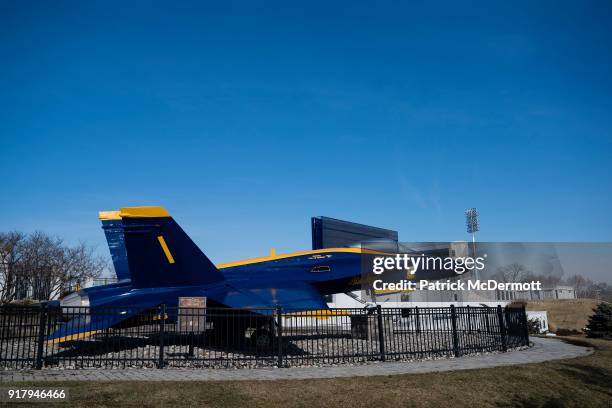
(295, 296)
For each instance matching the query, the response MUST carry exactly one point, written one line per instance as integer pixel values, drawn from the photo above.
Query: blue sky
(246, 120)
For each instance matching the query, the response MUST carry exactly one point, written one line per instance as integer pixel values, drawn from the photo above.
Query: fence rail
(219, 337)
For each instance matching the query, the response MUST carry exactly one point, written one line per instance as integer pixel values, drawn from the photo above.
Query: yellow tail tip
(109, 215)
(134, 212)
(143, 212)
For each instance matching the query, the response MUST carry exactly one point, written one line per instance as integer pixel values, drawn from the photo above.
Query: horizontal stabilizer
(86, 325)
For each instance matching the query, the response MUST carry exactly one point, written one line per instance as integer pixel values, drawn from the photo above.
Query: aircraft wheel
(261, 338)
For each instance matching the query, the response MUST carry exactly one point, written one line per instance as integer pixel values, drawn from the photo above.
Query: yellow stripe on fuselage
(75, 336)
(296, 254)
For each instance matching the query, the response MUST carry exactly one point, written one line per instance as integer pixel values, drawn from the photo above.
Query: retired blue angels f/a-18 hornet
(156, 263)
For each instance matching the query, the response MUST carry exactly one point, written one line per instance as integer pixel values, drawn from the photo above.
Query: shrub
(567, 332)
(518, 304)
(600, 323)
(534, 326)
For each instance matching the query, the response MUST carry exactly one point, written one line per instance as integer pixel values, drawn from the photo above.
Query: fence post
(418, 320)
(279, 334)
(469, 319)
(455, 333)
(502, 328)
(381, 333)
(162, 329)
(41, 336)
(526, 325)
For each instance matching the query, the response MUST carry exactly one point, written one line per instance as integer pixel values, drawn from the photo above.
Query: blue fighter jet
(156, 263)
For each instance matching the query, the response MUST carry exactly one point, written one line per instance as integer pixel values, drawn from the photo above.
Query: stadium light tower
(471, 221)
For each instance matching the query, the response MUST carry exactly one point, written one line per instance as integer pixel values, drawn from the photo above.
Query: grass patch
(580, 382)
(566, 314)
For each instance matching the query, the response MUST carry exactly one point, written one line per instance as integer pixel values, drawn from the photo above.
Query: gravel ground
(341, 348)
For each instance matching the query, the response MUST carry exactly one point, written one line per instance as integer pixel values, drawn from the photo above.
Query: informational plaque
(192, 314)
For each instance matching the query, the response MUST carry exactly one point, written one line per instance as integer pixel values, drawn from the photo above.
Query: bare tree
(550, 281)
(601, 291)
(11, 244)
(514, 272)
(39, 266)
(78, 265)
(547, 280)
(581, 285)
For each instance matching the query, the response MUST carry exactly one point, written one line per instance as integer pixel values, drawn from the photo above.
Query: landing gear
(236, 328)
(261, 338)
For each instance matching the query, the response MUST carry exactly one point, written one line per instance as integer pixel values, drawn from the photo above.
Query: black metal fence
(216, 337)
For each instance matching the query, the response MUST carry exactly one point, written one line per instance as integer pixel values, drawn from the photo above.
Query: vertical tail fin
(113, 229)
(160, 253)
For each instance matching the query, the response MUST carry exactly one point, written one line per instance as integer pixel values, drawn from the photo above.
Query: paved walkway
(543, 350)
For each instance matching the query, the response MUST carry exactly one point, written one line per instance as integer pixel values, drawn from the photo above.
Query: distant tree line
(583, 286)
(39, 266)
